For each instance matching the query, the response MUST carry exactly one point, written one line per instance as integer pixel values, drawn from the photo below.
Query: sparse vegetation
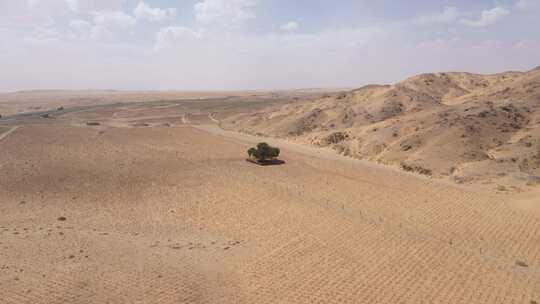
(335, 138)
(342, 96)
(416, 169)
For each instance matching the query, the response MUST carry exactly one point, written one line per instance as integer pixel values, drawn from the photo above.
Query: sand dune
(470, 128)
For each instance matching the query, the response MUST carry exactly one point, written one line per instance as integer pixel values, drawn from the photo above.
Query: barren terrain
(42, 101)
(153, 203)
(480, 130)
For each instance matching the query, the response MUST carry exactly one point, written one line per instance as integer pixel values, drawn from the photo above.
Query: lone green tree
(263, 152)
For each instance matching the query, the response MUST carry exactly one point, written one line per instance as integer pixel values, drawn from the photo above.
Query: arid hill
(470, 128)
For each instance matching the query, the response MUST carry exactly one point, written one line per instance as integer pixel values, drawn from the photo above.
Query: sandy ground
(167, 210)
(528, 201)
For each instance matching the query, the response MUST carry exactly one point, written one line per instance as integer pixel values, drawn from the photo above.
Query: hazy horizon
(328, 88)
(219, 45)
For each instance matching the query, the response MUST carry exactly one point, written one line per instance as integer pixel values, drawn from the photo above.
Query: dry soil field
(149, 204)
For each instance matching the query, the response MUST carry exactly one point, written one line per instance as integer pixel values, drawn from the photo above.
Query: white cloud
(103, 26)
(73, 5)
(84, 30)
(144, 11)
(528, 44)
(26, 21)
(101, 33)
(57, 8)
(80, 25)
(214, 53)
(448, 15)
(94, 5)
(172, 35)
(236, 60)
(32, 3)
(488, 17)
(10, 8)
(225, 13)
(51, 8)
(290, 26)
(528, 4)
(40, 35)
(114, 19)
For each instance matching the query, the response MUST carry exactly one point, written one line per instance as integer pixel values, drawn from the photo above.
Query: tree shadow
(266, 162)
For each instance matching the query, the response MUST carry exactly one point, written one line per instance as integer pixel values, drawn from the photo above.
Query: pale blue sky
(257, 44)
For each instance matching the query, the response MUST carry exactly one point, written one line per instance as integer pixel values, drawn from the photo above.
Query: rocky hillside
(467, 127)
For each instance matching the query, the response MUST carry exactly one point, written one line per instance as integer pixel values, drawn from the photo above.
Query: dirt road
(7, 133)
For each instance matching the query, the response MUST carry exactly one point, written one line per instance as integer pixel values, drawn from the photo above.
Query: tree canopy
(263, 152)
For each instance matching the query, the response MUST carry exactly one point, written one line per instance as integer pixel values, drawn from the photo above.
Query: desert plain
(149, 200)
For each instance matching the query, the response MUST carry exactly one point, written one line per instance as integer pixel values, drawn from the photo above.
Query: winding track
(212, 118)
(185, 119)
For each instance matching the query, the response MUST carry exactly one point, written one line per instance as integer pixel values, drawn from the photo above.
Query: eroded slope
(469, 127)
